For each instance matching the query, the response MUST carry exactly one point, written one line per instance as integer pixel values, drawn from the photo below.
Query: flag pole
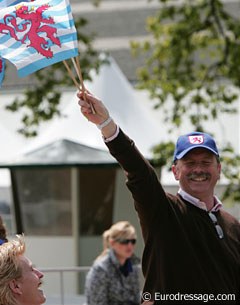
(79, 73)
(77, 67)
(71, 75)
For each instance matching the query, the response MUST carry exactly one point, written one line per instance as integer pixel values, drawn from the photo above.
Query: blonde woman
(114, 277)
(19, 281)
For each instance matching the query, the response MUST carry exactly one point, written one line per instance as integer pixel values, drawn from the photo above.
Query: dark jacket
(183, 253)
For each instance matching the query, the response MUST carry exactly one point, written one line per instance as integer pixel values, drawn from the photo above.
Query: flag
(2, 69)
(37, 34)
(6, 3)
(3, 4)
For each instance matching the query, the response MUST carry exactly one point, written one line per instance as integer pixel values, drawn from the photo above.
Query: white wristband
(106, 140)
(105, 123)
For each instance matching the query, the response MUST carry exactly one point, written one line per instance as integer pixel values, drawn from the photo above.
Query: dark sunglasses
(127, 241)
(217, 226)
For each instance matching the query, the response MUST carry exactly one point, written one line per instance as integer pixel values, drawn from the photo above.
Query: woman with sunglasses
(114, 277)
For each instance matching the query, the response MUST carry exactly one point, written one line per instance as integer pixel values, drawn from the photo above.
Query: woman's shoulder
(101, 263)
(135, 259)
(98, 269)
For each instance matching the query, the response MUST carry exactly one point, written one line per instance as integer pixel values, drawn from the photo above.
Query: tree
(41, 100)
(194, 59)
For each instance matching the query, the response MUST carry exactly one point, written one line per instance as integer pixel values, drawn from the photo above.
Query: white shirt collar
(198, 203)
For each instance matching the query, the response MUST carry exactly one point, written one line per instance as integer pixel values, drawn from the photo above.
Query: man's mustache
(198, 175)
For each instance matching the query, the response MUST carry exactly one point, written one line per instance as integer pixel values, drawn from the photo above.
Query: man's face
(197, 172)
(29, 284)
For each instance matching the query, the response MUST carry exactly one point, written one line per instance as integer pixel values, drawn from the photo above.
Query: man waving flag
(37, 34)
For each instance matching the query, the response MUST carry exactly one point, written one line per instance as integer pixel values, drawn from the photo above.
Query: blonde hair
(10, 268)
(119, 230)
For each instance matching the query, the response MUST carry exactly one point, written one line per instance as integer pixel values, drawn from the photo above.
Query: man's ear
(15, 286)
(219, 170)
(175, 171)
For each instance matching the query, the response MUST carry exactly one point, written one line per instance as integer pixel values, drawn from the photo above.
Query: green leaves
(231, 170)
(192, 48)
(193, 60)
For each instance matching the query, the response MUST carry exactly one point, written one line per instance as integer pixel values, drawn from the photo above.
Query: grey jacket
(106, 285)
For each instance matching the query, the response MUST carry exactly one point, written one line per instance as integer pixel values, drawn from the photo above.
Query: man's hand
(96, 112)
(88, 102)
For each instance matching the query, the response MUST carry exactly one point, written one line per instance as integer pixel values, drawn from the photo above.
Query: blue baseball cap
(2, 241)
(192, 140)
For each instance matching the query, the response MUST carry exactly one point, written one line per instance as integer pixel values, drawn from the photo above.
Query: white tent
(8, 149)
(132, 110)
(112, 87)
(226, 129)
(12, 141)
(10, 122)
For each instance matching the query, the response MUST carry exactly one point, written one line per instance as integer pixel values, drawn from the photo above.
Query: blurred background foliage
(193, 58)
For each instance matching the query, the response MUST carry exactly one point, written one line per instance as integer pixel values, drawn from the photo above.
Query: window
(45, 201)
(96, 200)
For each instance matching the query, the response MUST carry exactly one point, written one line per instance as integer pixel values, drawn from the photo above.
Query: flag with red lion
(3, 4)
(37, 34)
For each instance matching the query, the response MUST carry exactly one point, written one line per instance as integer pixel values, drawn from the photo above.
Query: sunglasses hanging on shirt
(217, 226)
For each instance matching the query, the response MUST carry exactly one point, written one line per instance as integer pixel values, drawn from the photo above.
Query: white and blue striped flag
(2, 70)
(3, 4)
(6, 3)
(34, 35)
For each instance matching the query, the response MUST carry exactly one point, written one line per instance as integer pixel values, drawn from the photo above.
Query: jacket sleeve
(149, 196)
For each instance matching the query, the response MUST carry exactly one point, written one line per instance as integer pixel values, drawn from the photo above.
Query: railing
(61, 272)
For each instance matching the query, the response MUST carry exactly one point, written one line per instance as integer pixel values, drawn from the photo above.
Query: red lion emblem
(35, 23)
(10, 25)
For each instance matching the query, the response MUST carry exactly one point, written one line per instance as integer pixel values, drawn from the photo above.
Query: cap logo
(196, 139)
